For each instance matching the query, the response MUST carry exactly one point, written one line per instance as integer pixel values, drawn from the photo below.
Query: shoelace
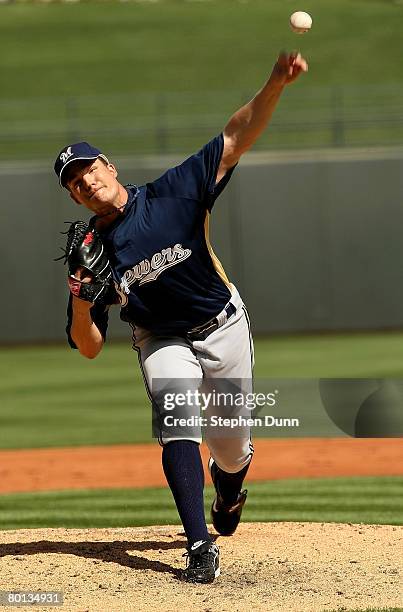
(199, 560)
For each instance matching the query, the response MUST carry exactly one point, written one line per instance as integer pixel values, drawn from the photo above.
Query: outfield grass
(51, 396)
(341, 500)
(74, 69)
(173, 44)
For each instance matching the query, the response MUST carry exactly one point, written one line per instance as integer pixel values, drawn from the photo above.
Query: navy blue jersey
(167, 276)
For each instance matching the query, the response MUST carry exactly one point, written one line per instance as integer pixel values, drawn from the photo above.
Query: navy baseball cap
(79, 150)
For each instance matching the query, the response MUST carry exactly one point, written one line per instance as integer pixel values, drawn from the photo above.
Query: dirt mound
(290, 567)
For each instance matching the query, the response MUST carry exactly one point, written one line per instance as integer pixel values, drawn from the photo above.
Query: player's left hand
(90, 272)
(289, 66)
(83, 275)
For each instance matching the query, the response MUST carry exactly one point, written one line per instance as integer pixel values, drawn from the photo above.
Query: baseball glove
(85, 250)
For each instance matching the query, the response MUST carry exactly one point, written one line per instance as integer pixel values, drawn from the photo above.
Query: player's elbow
(90, 351)
(89, 354)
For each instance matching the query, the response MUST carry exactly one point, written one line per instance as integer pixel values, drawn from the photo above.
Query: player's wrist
(278, 78)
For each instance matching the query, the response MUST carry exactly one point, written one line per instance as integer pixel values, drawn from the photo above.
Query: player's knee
(230, 462)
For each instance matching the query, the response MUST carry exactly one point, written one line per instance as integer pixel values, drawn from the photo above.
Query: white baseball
(301, 22)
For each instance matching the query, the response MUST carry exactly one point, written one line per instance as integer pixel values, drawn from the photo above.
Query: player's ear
(112, 169)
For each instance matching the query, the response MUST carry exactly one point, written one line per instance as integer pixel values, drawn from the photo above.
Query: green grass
(358, 355)
(172, 44)
(51, 396)
(93, 68)
(341, 500)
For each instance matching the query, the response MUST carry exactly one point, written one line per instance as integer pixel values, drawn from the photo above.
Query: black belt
(203, 331)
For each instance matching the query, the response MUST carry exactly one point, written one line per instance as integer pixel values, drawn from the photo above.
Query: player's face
(95, 186)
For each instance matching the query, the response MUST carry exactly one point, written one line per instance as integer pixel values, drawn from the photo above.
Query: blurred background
(309, 228)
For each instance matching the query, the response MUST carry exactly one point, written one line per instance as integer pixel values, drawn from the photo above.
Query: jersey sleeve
(195, 178)
(99, 314)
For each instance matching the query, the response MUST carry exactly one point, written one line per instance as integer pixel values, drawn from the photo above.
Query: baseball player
(188, 321)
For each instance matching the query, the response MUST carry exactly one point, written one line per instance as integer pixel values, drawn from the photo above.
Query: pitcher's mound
(265, 566)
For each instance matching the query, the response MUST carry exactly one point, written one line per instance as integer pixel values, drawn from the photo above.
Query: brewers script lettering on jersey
(147, 271)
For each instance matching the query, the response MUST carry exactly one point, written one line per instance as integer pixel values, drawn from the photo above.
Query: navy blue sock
(183, 470)
(229, 485)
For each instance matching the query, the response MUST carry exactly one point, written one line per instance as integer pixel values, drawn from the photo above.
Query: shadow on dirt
(109, 552)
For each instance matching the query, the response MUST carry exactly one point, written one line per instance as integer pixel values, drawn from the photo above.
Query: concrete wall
(313, 241)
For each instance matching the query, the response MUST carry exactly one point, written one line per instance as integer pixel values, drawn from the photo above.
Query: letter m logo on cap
(66, 154)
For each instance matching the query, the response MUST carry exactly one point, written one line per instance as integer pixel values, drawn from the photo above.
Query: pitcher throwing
(188, 321)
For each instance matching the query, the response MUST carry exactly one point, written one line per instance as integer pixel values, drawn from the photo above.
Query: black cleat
(225, 517)
(203, 562)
